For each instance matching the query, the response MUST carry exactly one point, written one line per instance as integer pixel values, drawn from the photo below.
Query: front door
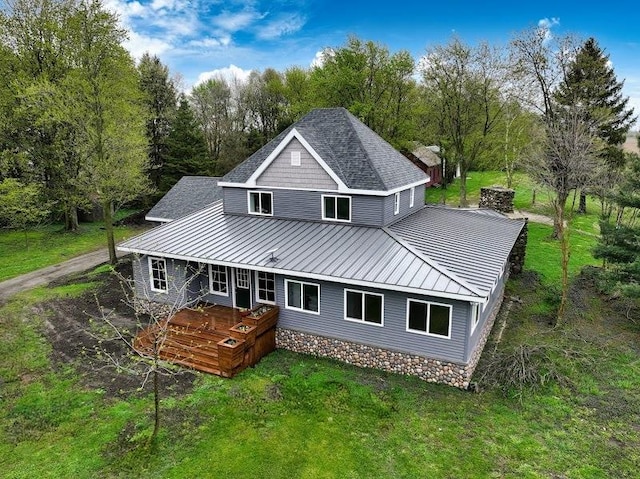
(243, 289)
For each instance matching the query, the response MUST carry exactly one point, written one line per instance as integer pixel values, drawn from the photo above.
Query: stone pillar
(497, 198)
(516, 257)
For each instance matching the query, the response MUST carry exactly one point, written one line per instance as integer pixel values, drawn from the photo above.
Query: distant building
(428, 160)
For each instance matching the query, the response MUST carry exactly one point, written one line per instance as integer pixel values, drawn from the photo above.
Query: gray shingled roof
(360, 158)
(474, 245)
(435, 251)
(189, 194)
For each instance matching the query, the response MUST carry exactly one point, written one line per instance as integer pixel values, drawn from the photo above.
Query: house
(189, 194)
(428, 160)
(328, 222)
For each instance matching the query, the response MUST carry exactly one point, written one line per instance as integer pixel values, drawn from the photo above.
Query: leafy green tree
(592, 84)
(36, 32)
(186, 148)
(105, 104)
(462, 94)
(371, 83)
(22, 206)
(160, 100)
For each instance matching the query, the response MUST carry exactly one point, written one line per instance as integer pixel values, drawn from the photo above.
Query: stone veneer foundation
(431, 370)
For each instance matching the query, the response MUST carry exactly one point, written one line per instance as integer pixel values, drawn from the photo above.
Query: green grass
(51, 245)
(294, 416)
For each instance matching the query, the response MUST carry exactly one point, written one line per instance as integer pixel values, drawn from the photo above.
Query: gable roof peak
(358, 156)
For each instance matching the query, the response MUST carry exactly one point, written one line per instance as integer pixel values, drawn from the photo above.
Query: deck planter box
(230, 355)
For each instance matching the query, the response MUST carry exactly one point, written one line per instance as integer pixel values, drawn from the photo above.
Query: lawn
(50, 245)
(295, 416)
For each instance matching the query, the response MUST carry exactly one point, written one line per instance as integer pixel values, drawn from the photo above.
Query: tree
(591, 83)
(212, 107)
(461, 89)
(265, 104)
(567, 162)
(36, 33)
(22, 206)
(186, 148)
(105, 105)
(160, 99)
(618, 245)
(371, 83)
(147, 343)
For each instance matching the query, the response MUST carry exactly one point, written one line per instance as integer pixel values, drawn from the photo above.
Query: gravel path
(45, 275)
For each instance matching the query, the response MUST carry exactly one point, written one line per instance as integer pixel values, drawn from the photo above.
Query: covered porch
(214, 339)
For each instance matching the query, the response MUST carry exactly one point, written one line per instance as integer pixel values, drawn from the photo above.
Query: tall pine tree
(186, 148)
(592, 84)
(160, 100)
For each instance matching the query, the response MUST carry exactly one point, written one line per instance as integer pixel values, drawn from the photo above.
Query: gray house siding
(405, 210)
(485, 312)
(393, 335)
(176, 278)
(309, 174)
(307, 205)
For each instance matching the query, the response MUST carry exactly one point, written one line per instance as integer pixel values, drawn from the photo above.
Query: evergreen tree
(618, 245)
(591, 84)
(160, 99)
(186, 148)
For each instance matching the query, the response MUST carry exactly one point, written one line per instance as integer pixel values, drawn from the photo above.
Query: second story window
(337, 208)
(396, 203)
(261, 203)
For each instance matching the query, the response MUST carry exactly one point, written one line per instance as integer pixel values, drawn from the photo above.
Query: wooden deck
(214, 339)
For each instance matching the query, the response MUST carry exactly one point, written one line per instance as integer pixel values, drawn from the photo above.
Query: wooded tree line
(82, 123)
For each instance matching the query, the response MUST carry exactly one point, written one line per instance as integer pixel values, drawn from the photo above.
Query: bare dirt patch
(78, 335)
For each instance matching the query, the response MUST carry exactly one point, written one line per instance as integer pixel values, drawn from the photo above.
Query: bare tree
(147, 345)
(566, 163)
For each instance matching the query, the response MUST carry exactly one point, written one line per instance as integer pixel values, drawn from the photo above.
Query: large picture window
(302, 296)
(158, 274)
(266, 290)
(337, 208)
(364, 307)
(261, 203)
(433, 319)
(218, 283)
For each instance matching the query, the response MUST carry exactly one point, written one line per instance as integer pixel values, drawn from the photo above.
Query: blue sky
(199, 39)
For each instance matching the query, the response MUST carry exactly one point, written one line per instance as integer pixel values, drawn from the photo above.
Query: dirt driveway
(45, 275)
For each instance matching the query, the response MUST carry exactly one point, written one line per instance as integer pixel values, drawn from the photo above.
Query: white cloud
(227, 73)
(234, 21)
(545, 25)
(138, 44)
(321, 56)
(209, 42)
(282, 26)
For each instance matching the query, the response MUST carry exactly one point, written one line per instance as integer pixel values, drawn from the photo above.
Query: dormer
(326, 167)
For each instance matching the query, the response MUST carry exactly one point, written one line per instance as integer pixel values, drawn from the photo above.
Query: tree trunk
(71, 218)
(582, 207)
(463, 189)
(108, 226)
(156, 405)
(566, 253)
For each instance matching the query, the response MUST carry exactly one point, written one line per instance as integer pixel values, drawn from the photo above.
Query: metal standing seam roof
(336, 252)
(474, 245)
(189, 194)
(355, 153)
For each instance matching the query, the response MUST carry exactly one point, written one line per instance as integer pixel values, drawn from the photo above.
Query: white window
(158, 274)
(336, 208)
(242, 278)
(302, 296)
(261, 203)
(218, 280)
(363, 307)
(412, 196)
(432, 319)
(475, 315)
(266, 291)
(396, 203)
(295, 158)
